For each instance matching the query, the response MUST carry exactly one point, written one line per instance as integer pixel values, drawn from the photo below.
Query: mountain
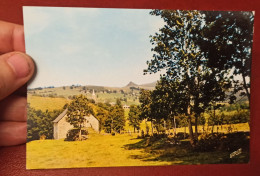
(132, 84)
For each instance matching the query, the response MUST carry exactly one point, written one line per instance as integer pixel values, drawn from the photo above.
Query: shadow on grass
(163, 149)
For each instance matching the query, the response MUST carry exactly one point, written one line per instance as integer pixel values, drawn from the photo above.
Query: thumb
(16, 69)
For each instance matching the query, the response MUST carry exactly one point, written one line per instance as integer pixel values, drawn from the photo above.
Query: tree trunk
(111, 126)
(164, 125)
(190, 127)
(80, 136)
(174, 125)
(245, 86)
(196, 128)
(152, 126)
(146, 127)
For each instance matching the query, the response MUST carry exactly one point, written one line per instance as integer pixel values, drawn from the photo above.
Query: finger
(13, 108)
(16, 69)
(11, 37)
(22, 91)
(12, 133)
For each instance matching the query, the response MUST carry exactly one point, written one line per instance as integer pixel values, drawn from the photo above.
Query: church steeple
(94, 97)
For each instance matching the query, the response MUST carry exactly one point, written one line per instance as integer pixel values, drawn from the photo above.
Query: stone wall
(92, 122)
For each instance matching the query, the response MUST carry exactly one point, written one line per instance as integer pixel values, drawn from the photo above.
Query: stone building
(61, 126)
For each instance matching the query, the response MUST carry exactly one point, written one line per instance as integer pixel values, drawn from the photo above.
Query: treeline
(227, 114)
(241, 116)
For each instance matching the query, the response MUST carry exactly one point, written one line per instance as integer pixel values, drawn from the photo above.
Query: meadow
(98, 150)
(103, 94)
(102, 150)
(46, 103)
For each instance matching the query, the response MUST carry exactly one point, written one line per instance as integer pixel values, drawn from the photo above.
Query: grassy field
(101, 96)
(120, 150)
(46, 103)
(98, 151)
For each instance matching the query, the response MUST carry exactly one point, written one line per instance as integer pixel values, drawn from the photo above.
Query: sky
(89, 46)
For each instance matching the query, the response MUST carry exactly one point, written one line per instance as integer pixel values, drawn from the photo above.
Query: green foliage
(237, 107)
(102, 115)
(146, 101)
(134, 117)
(241, 116)
(227, 42)
(77, 110)
(73, 134)
(116, 119)
(192, 81)
(227, 142)
(40, 123)
(167, 99)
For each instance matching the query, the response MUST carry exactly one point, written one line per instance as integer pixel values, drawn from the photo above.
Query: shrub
(227, 142)
(181, 136)
(208, 142)
(73, 134)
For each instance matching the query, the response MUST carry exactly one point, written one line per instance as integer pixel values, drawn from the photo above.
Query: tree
(33, 119)
(77, 110)
(101, 115)
(176, 51)
(227, 42)
(146, 101)
(167, 101)
(134, 117)
(116, 119)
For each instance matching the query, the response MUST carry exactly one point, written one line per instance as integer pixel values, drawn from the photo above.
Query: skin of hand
(16, 69)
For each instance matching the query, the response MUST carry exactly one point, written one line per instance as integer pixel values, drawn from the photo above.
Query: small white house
(61, 126)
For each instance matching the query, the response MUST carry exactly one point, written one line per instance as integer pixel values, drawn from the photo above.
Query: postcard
(137, 87)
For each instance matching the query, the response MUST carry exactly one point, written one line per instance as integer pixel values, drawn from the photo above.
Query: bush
(181, 136)
(227, 142)
(73, 134)
(208, 142)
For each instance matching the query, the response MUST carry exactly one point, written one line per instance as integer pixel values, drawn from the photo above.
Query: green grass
(97, 151)
(101, 97)
(46, 103)
(120, 150)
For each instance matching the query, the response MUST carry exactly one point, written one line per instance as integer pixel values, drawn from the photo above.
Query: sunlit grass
(104, 150)
(98, 151)
(46, 103)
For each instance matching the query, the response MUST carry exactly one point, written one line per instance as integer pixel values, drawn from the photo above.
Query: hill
(131, 84)
(128, 94)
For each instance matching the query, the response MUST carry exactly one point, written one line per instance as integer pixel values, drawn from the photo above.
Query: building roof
(60, 116)
(64, 113)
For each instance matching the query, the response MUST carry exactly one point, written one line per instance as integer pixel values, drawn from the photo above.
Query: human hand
(16, 68)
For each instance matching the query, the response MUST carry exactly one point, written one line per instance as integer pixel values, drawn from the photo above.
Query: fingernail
(19, 64)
